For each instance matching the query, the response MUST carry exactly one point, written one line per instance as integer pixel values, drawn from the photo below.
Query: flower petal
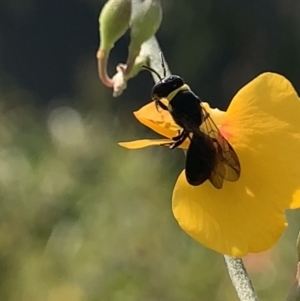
(217, 115)
(263, 123)
(159, 121)
(150, 142)
(235, 220)
(143, 143)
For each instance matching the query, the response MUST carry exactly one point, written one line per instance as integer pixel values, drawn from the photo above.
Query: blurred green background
(84, 219)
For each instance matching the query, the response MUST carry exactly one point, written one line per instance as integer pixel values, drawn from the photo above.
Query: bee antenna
(152, 70)
(163, 63)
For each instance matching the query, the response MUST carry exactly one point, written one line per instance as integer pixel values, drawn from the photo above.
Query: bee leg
(205, 116)
(179, 139)
(160, 105)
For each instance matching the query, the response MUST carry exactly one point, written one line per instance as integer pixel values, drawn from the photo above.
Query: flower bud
(113, 22)
(145, 20)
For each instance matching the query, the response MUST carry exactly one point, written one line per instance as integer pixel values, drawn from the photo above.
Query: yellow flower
(262, 124)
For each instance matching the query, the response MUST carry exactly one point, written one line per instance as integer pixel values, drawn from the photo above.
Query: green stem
(240, 279)
(151, 50)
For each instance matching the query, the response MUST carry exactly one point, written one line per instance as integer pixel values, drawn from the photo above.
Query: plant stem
(151, 50)
(240, 279)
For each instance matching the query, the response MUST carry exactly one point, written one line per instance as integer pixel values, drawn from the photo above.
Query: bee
(209, 156)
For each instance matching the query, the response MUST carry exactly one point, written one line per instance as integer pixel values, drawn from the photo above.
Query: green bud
(145, 20)
(113, 22)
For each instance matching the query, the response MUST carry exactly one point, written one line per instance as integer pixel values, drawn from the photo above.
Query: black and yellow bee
(209, 156)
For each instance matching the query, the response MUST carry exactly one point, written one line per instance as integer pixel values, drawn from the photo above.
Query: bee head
(167, 85)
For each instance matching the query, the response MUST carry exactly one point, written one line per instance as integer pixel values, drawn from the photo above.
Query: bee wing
(199, 162)
(218, 173)
(227, 164)
(216, 179)
(206, 159)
